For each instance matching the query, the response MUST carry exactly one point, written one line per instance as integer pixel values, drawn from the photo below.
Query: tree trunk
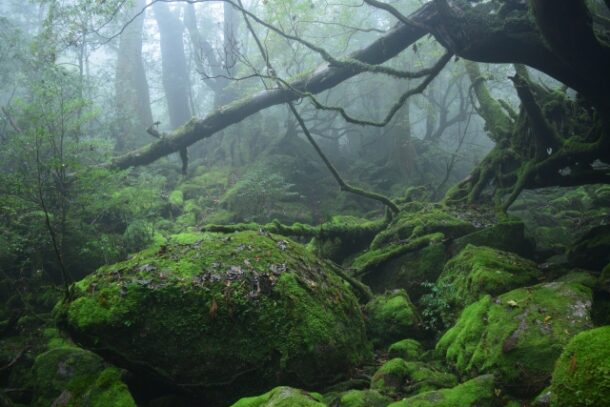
(131, 88)
(176, 82)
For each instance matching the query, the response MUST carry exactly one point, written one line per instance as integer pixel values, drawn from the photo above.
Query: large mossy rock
(70, 376)
(477, 271)
(508, 236)
(407, 349)
(359, 398)
(408, 271)
(397, 376)
(390, 317)
(477, 392)
(283, 397)
(518, 335)
(592, 250)
(229, 315)
(582, 374)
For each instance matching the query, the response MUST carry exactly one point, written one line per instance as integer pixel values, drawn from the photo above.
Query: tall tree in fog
(176, 82)
(132, 93)
(221, 66)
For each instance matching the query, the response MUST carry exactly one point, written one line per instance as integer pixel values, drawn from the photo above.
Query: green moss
(390, 377)
(477, 271)
(580, 277)
(543, 399)
(362, 398)
(398, 376)
(407, 349)
(259, 309)
(80, 377)
(390, 317)
(476, 392)
(343, 236)
(282, 397)
(408, 271)
(109, 390)
(519, 335)
(429, 219)
(582, 374)
(508, 236)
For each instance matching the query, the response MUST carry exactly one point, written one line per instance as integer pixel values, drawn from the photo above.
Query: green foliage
(435, 308)
(259, 196)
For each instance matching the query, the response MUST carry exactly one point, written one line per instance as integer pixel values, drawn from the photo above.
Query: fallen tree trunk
(323, 78)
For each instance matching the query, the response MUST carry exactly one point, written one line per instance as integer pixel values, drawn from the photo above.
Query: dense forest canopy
(314, 181)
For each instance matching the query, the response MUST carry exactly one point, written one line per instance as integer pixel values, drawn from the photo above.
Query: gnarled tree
(553, 140)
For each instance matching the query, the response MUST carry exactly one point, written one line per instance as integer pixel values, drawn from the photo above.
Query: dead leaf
(512, 303)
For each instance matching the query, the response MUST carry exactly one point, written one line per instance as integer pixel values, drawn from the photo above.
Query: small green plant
(435, 308)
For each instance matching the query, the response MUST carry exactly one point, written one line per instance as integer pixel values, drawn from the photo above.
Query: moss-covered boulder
(390, 317)
(390, 377)
(508, 236)
(283, 397)
(422, 219)
(70, 376)
(479, 270)
(592, 250)
(408, 271)
(479, 392)
(360, 398)
(581, 277)
(407, 349)
(397, 376)
(582, 375)
(236, 314)
(518, 335)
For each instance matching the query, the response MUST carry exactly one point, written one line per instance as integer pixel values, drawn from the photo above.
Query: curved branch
(325, 77)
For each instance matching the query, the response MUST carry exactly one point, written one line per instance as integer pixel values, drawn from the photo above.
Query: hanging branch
(323, 78)
(344, 185)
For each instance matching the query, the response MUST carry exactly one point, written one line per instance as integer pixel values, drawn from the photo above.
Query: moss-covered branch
(497, 123)
(359, 231)
(366, 263)
(323, 78)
